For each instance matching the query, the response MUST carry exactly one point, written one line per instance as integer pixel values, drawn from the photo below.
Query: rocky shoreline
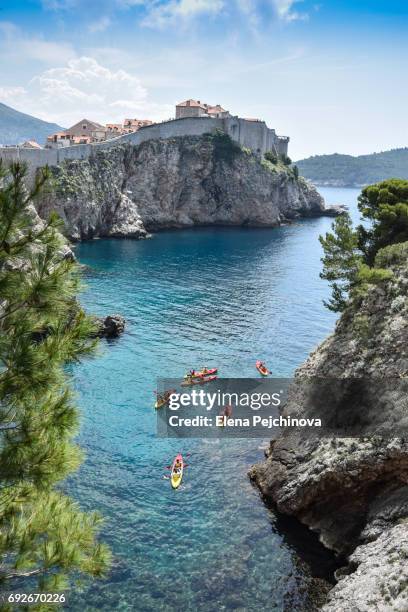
(353, 492)
(130, 191)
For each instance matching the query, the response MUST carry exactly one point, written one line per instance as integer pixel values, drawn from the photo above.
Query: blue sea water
(210, 296)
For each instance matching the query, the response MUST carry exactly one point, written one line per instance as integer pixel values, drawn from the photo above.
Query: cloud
(160, 14)
(284, 10)
(10, 94)
(261, 11)
(15, 46)
(84, 88)
(100, 25)
(179, 11)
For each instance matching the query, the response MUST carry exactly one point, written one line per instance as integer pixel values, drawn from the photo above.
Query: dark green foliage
(271, 157)
(353, 257)
(285, 159)
(341, 261)
(362, 170)
(42, 531)
(386, 206)
(392, 255)
(224, 148)
(295, 171)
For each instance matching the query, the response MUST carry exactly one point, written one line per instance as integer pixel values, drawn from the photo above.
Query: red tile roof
(192, 102)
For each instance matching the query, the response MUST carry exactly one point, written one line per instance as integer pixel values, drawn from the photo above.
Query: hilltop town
(192, 118)
(87, 131)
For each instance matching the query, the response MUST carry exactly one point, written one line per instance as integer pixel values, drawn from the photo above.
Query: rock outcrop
(354, 491)
(129, 191)
(110, 326)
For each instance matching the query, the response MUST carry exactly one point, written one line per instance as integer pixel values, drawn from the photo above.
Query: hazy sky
(332, 75)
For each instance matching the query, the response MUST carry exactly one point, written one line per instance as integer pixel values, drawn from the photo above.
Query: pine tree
(350, 254)
(43, 533)
(341, 261)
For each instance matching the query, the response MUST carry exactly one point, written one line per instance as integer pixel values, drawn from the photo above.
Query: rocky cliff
(179, 182)
(354, 491)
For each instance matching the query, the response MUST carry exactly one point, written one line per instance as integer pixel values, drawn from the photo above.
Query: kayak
(202, 373)
(261, 368)
(164, 399)
(176, 477)
(198, 381)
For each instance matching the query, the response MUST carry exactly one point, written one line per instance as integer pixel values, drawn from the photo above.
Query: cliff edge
(128, 191)
(354, 491)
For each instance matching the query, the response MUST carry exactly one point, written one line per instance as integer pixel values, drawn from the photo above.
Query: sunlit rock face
(129, 191)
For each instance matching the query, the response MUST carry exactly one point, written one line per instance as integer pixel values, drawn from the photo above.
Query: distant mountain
(348, 171)
(16, 127)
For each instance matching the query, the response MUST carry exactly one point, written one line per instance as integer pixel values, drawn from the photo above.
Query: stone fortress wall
(248, 133)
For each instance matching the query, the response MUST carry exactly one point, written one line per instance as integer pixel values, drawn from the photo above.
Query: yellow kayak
(177, 472)
(163, 400)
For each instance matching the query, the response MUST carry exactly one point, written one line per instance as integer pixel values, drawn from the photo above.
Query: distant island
(16, 127)
(348, 171)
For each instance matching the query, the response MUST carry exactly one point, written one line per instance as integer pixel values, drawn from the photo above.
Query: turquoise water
(220, 297)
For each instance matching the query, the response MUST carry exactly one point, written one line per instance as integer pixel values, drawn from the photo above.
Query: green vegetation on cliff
(352, 257)
(348, 171)
(44, 536)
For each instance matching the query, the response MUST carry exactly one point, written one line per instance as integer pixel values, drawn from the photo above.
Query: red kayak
(262, 369)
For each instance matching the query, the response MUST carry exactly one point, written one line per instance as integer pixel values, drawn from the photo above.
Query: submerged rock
(111, 326)
(128, 191)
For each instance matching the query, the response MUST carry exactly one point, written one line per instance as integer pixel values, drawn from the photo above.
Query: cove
(200, 297)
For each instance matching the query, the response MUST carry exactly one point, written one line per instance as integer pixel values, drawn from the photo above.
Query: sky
(331, 74)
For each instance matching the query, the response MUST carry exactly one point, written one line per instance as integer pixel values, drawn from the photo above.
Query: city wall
(252, 134)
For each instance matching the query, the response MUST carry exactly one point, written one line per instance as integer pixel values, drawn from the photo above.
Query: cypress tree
(44, 536)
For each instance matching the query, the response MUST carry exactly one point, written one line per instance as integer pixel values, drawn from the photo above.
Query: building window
(84, 126)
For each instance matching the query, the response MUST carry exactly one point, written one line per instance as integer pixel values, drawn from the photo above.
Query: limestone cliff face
(354, 492)
(178, 182)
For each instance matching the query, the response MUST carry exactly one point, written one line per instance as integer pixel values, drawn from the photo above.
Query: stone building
(31, 144)
(196, 108)
(132, 125)
(83, 132)
(86, 132)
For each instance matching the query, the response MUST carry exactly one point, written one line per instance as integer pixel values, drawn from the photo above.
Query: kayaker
(177, 467)
(228, 411)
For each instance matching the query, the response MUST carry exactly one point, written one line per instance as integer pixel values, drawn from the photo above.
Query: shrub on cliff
(272, 157)
(349, 260)
(43, 533)
(224, 148)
